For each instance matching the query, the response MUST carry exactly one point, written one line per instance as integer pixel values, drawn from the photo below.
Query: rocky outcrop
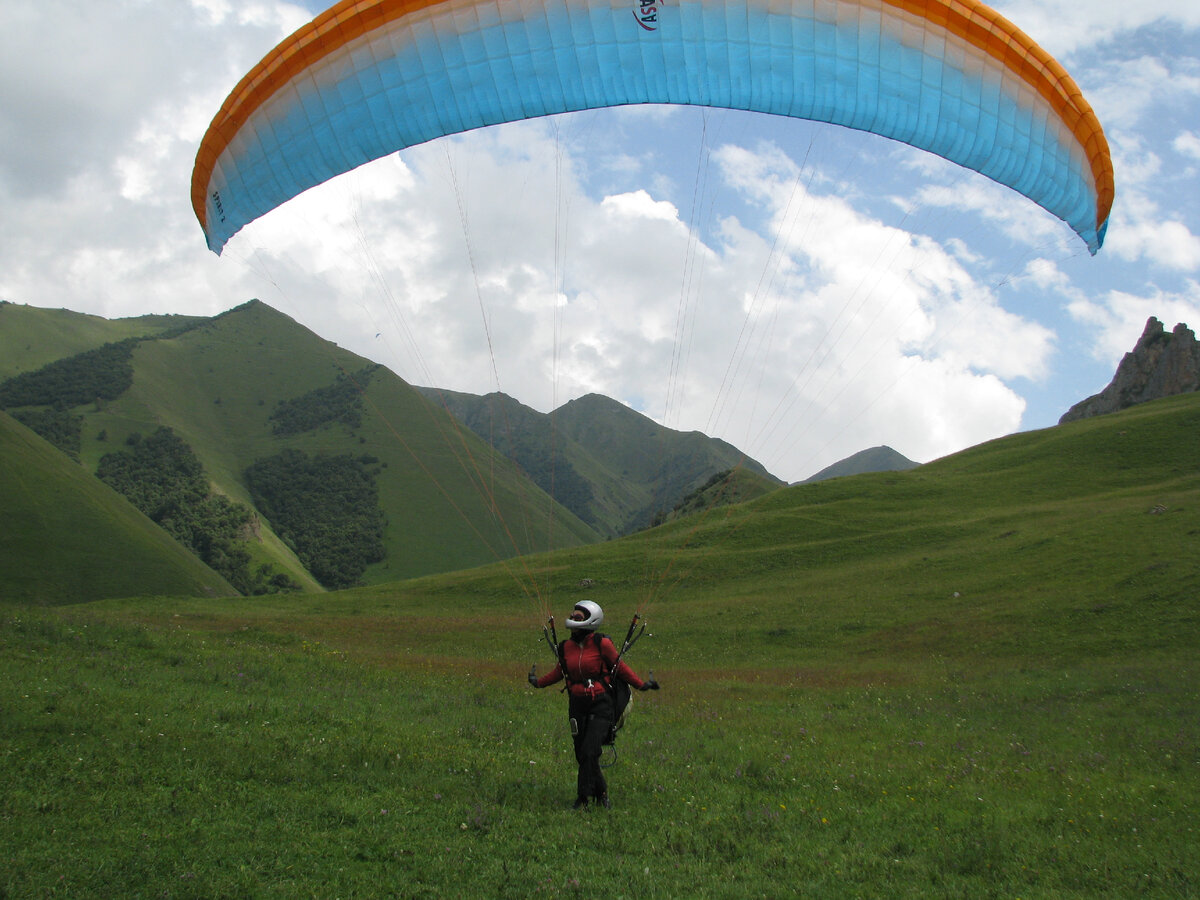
(1160, 365)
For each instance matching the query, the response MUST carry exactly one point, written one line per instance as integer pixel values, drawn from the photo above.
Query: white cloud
(1045, 275)
(1140, 230)
(1065, 26)
(1150, 213)
(80, 78)
(1118, 319)
(1136, 165)
(1129, 91)
(639, 204)
(1020, 220)
(884, 305)
(96, 149)
(1187, 144)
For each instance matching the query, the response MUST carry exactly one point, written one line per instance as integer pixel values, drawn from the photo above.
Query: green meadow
(978, 678)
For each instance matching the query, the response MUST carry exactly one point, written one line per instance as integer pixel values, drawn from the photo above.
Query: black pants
(595, 718)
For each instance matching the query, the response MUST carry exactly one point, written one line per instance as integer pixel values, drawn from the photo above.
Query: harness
(605, 681)
(618, 691)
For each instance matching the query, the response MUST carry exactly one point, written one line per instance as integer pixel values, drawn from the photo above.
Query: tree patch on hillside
(698, 500)
(162, 476)
(556, 476)
(326, 508)
(101, 374)
(528, 439)
(337, 402)
(55, 425)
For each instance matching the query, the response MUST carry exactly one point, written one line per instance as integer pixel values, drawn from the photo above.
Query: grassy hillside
(67, 538)
(30, 336)
(973, 679)
(726, 488)
(218, 386)
(1095, 523)
(446, 502)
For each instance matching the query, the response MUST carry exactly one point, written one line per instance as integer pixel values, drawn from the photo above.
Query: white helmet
(593, 616)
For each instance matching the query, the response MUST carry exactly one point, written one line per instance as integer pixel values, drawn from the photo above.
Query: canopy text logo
(646, 13)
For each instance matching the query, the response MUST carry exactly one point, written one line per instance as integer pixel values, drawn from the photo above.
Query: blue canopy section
(452, 67)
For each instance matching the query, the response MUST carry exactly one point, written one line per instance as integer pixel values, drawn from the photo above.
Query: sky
(802, 291)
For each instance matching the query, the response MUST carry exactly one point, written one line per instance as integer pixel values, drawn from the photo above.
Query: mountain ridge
(615, 468)
(216, 383)
(220, 388)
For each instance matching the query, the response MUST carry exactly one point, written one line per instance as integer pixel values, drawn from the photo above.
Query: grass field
(975, 679)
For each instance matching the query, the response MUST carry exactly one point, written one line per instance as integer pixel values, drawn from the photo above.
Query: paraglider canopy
(370, 77)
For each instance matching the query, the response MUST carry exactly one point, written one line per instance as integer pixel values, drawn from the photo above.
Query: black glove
(533, 676)
(650, 685)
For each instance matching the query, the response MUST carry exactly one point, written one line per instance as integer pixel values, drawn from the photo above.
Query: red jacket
(587, 669)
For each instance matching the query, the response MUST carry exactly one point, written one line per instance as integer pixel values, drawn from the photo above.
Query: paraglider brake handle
(551, 635)
(631, 637)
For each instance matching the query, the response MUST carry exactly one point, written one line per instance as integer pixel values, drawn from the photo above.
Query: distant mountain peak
(1161, 364)
(876, 459)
